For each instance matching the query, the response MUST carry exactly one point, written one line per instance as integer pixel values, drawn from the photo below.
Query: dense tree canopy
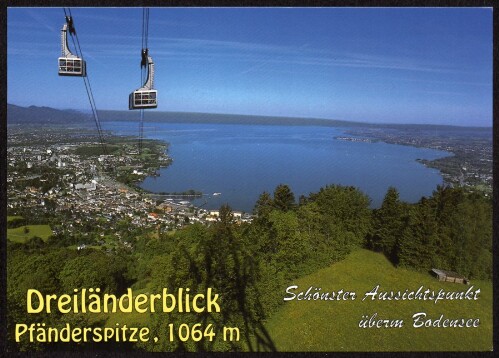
(251, 264)
(451, 230)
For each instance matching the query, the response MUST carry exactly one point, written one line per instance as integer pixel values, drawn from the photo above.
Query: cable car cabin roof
(72, 66)
(143, 99)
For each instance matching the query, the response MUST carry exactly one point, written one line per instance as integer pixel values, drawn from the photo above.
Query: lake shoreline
(206, 155)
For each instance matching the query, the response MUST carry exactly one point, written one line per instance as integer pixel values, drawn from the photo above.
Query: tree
(327, 242)
(31, 271)
(451, 230)
(284, 199)
(91, 270)
(264, 205)
(346, 208)
(388, 224)
(418, 245)
(291, 250)
(226, 217)
(34, 243)
(218, 257)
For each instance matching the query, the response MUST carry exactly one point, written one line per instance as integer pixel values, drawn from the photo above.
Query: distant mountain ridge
(220, 118)
(34, 114)
(43, 115)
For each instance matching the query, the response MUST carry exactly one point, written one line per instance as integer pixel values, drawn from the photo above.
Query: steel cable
(88, 88)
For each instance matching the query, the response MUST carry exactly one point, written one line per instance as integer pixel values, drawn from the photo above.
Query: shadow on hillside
(237, 285)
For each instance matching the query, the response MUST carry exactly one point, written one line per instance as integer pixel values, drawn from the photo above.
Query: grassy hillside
(10, 218)
(18, 234)
(334, 325)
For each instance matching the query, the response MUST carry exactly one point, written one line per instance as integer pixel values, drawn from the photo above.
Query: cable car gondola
(145, 97)
(74, 65)
(70, 64)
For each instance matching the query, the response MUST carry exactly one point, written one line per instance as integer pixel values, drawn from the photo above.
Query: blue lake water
(242, 161)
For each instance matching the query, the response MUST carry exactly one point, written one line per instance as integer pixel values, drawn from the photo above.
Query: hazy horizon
(89, 111)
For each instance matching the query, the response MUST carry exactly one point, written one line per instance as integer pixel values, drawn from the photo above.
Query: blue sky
(397, 65)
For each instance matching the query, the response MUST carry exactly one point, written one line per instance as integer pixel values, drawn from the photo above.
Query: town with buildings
(93, 198)
(469, 163)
